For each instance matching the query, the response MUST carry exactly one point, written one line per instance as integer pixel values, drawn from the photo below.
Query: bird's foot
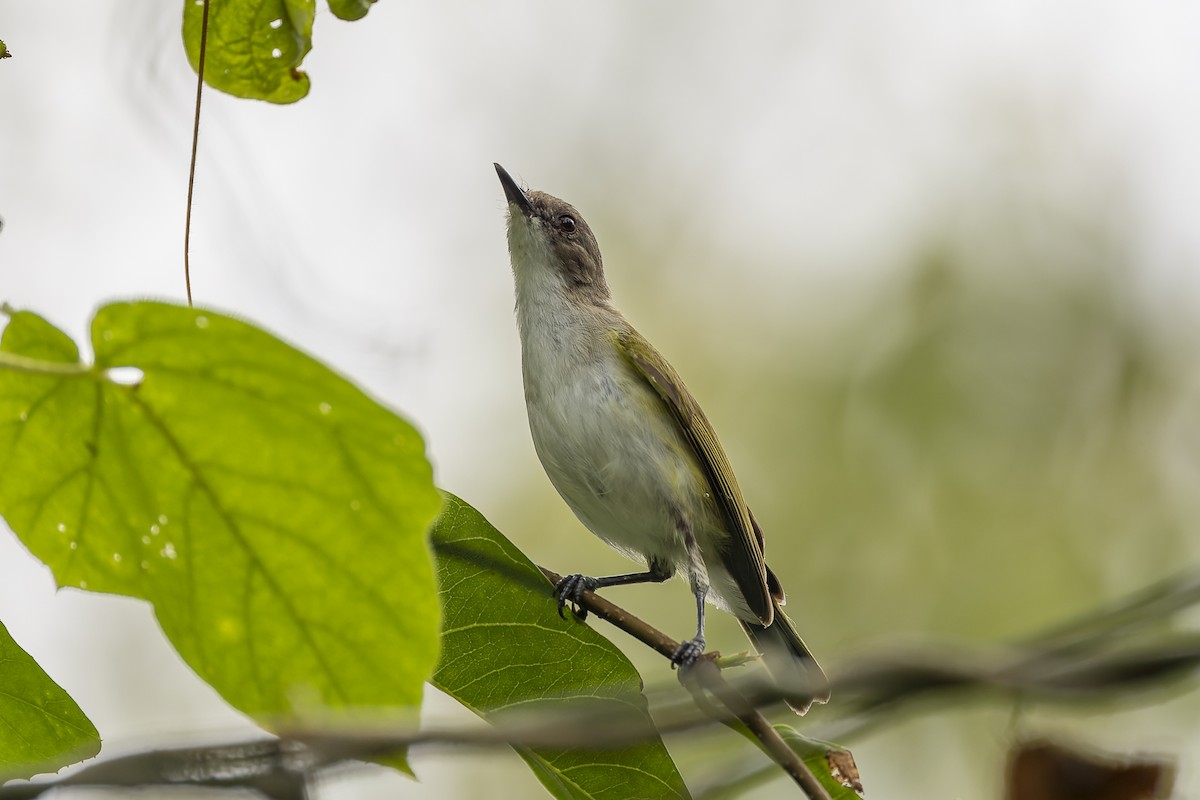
(570, 589)
(688, 653)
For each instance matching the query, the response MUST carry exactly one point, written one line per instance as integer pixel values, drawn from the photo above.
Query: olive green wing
(744, 555)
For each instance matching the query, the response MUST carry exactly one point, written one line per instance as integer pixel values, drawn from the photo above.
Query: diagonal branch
(707, 675)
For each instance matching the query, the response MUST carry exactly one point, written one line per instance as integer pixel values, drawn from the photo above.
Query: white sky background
(813, 143)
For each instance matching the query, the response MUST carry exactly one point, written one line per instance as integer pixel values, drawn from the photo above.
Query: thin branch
(707, 675)
(187, 224)
(873, 686)
(615, 615)
(1150, 605)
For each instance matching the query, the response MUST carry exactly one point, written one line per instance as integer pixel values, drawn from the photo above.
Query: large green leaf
(504, 647)
(41, 728)
(274, 515)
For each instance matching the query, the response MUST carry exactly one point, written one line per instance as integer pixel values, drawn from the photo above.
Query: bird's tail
(789, 662)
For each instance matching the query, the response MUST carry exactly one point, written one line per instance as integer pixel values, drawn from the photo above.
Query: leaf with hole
(273, 514)
(254, 48)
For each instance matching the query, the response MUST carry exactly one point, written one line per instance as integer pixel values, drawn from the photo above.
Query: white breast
(601, 434)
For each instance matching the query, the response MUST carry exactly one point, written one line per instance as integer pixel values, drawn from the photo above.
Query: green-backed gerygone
(628, 447)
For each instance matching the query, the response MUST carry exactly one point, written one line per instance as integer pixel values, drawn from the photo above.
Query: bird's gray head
(549, 241)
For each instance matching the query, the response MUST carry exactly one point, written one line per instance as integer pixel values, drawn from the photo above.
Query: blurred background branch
(1120, 647)
(1107, 655)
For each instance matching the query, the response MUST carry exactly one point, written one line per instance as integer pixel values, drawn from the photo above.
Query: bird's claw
(688, 653)
(569, 590)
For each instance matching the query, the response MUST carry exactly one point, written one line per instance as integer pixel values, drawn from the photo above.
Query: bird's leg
(572, 587)
(687, 652)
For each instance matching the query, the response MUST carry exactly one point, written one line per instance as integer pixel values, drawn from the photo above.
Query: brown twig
(615, 615)
(707, 675)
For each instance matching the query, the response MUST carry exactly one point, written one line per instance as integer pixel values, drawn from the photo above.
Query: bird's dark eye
(567, 223)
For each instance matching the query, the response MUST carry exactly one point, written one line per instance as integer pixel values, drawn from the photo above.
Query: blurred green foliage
(985, 447)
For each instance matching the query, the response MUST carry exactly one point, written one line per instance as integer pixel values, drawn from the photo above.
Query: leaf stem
(37, 366)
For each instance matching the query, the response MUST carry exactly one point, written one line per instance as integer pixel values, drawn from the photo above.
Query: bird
(629, 449)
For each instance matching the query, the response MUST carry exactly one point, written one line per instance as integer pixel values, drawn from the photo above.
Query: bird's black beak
(513, 192)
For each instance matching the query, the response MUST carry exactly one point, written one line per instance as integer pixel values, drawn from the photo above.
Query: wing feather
(744, 555)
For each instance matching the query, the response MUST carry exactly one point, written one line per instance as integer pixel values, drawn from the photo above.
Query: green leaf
(254, 48)
(273, 514)
(350, 9)
(4, 51)
(832, 764)
(504, 647)
(41, 728)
